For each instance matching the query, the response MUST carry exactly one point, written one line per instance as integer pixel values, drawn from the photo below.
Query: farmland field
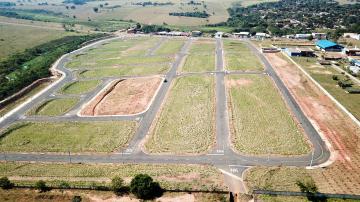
(54, 107)
(261, 123)
(186, 123)
(80, 87)
(67, 136)
(201, 57)
(16, 38)
(239, 57)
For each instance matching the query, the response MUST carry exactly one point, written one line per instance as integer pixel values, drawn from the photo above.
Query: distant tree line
(196, 14)
(76, 2)
(150, 3)
(154, 28)
(7, 4)
(20, 14)
(21, 69)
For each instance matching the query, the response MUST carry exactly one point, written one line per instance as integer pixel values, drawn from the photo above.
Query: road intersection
(221, 156)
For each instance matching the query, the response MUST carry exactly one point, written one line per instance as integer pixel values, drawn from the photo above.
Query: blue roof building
(327, 45)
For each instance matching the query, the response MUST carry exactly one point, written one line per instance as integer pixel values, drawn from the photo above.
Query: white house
(318, 36)
(302, 36)
(242, 34)
(354, 69)
(262, 36)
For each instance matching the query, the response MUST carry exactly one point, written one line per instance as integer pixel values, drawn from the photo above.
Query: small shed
(242, 35)
(292, 52)
(304, 52)
(196, 33)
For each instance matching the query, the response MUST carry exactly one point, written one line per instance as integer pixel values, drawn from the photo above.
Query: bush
(5, 183)
(64, 185)
(143, 187)
(117, 186)
(334, 77)
(76, 199)
(41, 186)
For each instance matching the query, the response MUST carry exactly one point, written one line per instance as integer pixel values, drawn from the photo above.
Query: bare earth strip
(124, 97)
(344, 175)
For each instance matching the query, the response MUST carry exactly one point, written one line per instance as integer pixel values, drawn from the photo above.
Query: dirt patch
(344, 175)
(181, 178)
(238, 82)
(123, 97)
(321, 72)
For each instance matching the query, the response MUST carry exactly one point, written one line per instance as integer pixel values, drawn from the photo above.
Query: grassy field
(16, 103)
(186, 123)
(261, 122)
(201, 58)
(126, 71)
(324, 77)
(16, 38)
(65, 136)
(170, 47)
(170, 176)
(54, 107)
(239, 57)
(80, 87)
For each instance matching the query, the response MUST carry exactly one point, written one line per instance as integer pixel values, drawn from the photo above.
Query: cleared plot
(261, 123)
(239, 57)
(186, 123)
(123, 97)
(136, 70)
(170, 47)
(54, 107)
(80, 87)
(199, 177)
(67, 136)
(201, 58)
(14, 40)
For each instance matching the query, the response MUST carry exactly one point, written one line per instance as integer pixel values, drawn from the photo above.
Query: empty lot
(261, 122)
(201, 57)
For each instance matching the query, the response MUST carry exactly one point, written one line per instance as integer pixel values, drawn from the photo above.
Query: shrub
(143, 187)
(41, 186)
(64, 185)
(117, 186)
(76, 199)
(5, 183)
(334, 77)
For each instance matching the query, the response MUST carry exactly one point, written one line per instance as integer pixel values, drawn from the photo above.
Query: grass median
(186, 123)
(261, 122)
(54, 107)
(67, 136)
(80, 87)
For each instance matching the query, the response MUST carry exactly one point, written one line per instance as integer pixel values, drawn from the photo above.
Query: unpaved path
(124, 97)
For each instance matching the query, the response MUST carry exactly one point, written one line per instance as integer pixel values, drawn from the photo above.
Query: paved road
(222, 155)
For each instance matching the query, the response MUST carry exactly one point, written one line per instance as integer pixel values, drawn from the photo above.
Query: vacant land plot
(80, 87)
(239, 57)
(201, 58)
(67, 136)
(261, 123)
(136, 70)
(324, 77)
(186, 123)
(54, 107)
(15, 38)
(170, 47)
(124, 97)
(197, 177)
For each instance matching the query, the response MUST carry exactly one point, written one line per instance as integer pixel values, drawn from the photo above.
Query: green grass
(54, 107)
(126, 71)
(14, 38)
(261, 121)
(80, 87)
(199, 63)
(324, 77)
(170, 47)
(186, 123)
(65, 136)
(201, 58)
(276, 178)
(239, 57)
(17, 102)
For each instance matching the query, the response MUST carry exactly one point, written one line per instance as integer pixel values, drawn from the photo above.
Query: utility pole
(69, 157)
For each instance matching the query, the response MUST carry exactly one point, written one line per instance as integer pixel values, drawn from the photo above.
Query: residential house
(319, 36)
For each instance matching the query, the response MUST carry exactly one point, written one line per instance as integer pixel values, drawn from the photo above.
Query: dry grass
(261, 121)
(186, 123)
